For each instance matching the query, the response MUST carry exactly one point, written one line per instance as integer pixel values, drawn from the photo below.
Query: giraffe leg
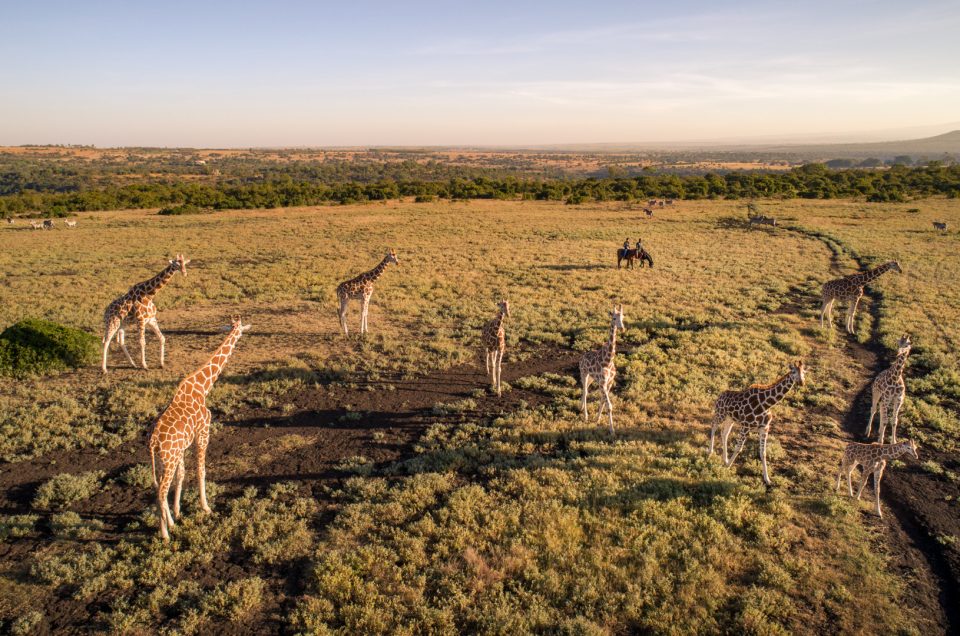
(122, 339)
(840, 475)
(850, 478)
(342, 313)
(724, 436)
(203, 438)
(486, 359)
(895, 415)
(143, 344)
(717, 421)
(585, 380)
(884, 417)
(107, 339)
(166, 520)
(741, 440)
(851, 315)
(863, 481)
(606, 395)
(764, 432)
(363, 315)
(499, 370)
(824, 311)
(155, 327)
(874, 399)
(181, 469)
(877, 476)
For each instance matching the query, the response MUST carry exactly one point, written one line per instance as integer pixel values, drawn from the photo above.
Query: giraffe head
(911, 447)
(392, 257)
(895, 265)
(181, 264)
(617, 317)
(798, 372)
(236, 326)
(504, 306)
(904, 344)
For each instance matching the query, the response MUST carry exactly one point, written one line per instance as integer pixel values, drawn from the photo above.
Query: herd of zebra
(46, 224)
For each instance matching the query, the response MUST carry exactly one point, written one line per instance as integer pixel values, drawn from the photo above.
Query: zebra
(763, 220)
(940, 225)
(48, 224)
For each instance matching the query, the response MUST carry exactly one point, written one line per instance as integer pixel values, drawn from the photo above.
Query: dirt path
(919, 501)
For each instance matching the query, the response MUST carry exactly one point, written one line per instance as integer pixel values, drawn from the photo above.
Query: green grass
(535, 521)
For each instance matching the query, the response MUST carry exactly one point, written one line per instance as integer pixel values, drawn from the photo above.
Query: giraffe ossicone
(495, 344)
(850, 289)
(873, 458)
(750, 408)
(137, 304)
(361, 288)
(185, 421)
(600, 365)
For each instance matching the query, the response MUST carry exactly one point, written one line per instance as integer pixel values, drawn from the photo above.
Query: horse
(631, 255)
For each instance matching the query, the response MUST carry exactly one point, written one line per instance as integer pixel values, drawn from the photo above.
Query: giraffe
(361, 288)
(600, 365)
(873, 458)
(495, 343)
(888, 392)
(751, 409)
(850, 289)
(185, 420)
(139, 301)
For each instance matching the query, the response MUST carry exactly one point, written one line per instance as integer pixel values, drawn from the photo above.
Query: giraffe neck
(900, 362)
(779, 389)
(149, 288)
(894, 450)
(207, 374)
(874, 273)
(377, 271)
(611, 349)
(498, 321)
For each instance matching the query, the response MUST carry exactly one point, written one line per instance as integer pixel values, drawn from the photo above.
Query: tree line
(812, 181)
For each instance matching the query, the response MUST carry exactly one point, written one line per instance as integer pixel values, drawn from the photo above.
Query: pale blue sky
(445, 73)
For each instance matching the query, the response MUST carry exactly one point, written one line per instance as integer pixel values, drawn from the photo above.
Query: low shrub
(181, 210)
(35, 347)
(66, 488)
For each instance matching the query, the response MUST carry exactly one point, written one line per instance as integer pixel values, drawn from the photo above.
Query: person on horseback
(639, 246)
(626, 245)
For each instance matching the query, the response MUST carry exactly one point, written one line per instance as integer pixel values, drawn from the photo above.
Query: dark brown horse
(633, 255)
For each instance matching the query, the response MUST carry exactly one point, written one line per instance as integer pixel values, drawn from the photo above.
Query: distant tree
(903, 160)
(871, 162)
(840, 163)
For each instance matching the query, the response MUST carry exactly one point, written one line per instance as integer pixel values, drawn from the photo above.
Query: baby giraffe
(750, 408)
(495, 343)
(186, 420)
(888, 392)
(600, 365)
(873, 458)
(361, 288)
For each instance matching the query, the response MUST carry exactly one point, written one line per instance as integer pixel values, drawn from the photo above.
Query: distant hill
(930, 147)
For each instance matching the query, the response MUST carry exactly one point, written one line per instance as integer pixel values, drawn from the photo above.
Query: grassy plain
(515, 519)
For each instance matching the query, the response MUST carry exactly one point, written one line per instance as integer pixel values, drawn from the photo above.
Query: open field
(375, 486)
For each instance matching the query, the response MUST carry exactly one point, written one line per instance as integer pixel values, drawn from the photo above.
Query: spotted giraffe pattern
(494, 342)
(361, 288)
(873, 458)
(185, 421)
(750, 408)
(888, 392)
(137, 303)
(850, 289)
(600, 365)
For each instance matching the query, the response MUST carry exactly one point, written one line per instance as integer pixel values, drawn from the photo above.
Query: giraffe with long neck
(495, 344)
(850, 289)
(750, 408)
(888, 392)
(600, 365)
(185, 421)
(873, 458)
(361, 288)
(137, 303)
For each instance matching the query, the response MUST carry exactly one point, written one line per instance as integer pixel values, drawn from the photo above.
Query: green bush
(33, 347)
(179, 210)
(59, 492)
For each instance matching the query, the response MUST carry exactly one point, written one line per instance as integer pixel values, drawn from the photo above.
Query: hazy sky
(401, 72)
